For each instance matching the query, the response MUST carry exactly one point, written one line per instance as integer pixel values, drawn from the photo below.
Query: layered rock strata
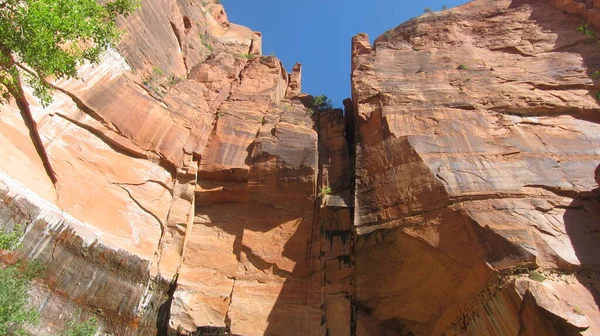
(173, 166)
(198, 195)
(478, 139)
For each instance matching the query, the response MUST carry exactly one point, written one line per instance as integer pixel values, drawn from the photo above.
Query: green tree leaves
(11, 240)
(74, 328)
(14, 313)
(53, 37)
(321, 103)
(50, 38)
(14, 283)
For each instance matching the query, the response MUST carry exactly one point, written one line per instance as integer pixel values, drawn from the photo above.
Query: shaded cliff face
(478, 140)
(193, 193)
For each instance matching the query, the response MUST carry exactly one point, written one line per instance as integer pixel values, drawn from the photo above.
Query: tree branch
(17, 92)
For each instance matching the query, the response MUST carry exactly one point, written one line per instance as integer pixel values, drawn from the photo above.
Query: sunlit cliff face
(199, 192)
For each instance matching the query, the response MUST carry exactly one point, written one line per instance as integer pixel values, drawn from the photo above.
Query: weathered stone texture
(79, 271)
(245, 265)
(478, 133)
(125, 141)
(336, 223)
(456, 195)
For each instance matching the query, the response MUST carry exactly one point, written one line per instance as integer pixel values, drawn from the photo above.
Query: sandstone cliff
(191, 176)
(478, 138)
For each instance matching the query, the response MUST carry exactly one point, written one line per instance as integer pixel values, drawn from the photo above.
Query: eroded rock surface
(175, 157)
(478, 140)
(457, 194)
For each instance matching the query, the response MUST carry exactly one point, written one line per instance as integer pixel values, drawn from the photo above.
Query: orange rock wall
(477, 130)
(175, 156)
(197, 194)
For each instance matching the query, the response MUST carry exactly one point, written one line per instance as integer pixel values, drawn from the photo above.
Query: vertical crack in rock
(179, 42)
(250, 51)
(173, 242)
(315, 222)
(189, 226)
(164, 311)
(227, 316)
(335, 216)
(350, 130)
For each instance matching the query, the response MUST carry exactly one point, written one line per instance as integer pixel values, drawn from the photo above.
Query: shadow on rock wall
(568, 40)
(270, 219)
(582, 223)
(582, 216)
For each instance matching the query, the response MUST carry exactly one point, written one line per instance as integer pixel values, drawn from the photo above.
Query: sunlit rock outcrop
(199, 193)
(478, 140)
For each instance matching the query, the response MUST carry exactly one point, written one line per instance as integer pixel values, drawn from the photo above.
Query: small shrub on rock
(320, 104)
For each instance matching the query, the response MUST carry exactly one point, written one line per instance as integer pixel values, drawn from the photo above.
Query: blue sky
(317, 33)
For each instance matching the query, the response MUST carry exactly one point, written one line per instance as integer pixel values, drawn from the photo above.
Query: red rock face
(175, 194)
(457, 193)
(476, 153)
(253, 212)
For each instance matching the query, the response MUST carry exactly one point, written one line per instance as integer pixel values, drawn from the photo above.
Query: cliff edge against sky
(198, 193)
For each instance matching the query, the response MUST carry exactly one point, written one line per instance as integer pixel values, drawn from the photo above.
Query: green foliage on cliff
(204, 38)
(247, 56)
(14, 284)
(41, 39)
(537, 276)
(585, 29)
(52, 37)
(324, 191)
(75, 328)
(14, 313)
(320, 104)
(11, 240)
